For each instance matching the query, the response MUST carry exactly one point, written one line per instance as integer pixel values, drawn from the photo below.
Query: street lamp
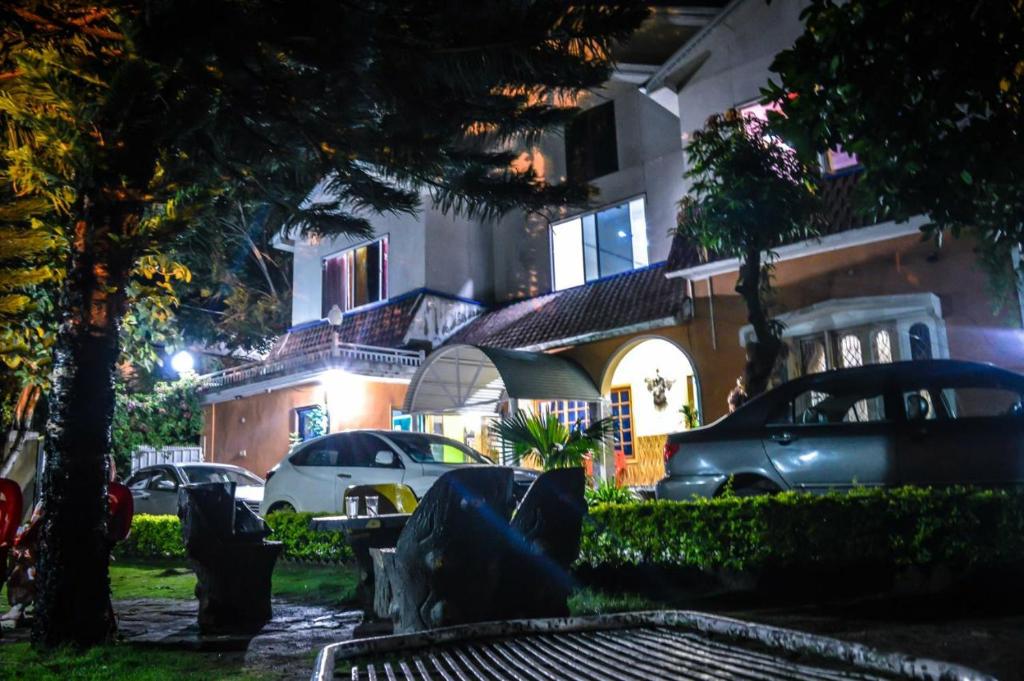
(183, 363)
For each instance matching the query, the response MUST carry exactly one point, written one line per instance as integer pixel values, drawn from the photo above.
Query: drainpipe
(711, 312)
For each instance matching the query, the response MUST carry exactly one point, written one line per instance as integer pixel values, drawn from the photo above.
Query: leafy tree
(169, 414)
(928, 95)
(749, 194)
(130, 119)
(547, 442)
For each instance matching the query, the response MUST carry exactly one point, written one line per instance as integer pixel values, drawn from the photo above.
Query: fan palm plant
(548, 442)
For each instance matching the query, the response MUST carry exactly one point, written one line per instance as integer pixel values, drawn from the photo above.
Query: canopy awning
(470, 378)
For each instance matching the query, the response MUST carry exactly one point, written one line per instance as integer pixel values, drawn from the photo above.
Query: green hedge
(159, 536)
(900, 527)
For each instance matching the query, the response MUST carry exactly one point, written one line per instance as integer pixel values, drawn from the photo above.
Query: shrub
(159, 536)
(153, 536)
(897, 528)
(609, 493)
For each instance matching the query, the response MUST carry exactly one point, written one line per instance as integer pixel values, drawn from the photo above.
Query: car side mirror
(384, 458)
(166, 485)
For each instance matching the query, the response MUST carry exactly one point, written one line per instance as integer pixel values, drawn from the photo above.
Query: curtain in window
(333, 288)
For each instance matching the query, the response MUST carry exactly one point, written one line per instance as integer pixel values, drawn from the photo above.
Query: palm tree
(548, 442)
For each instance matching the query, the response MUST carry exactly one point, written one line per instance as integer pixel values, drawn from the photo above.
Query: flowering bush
(168, 415)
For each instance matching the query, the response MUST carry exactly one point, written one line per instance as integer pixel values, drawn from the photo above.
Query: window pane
(981, 402)
(615, 241)
(816, 407)
(567, 254)
(920, 341)
(850, 351)
(590, 144)
(591, 269)
(638, 223)
(372, 272)
(883, 347)
(812, 356)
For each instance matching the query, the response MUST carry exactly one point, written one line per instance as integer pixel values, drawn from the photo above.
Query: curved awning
(470, 378)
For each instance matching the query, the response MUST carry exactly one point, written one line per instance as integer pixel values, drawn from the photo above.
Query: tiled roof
(624, 300)
(383, 326)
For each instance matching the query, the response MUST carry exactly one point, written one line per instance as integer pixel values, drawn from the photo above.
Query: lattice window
(850, 353)
(622, 411)
(570, 413)
(883, 346)
(920, 341)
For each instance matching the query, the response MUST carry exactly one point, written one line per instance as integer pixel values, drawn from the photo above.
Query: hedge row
(901, 527)
(159, 536)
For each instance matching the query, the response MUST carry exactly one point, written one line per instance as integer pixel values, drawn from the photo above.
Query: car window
(140, 480)
(163, 481)
(423, 448)
(843, 405)
(364, 448)
(943, 401)
(321, 454)
(201, 474)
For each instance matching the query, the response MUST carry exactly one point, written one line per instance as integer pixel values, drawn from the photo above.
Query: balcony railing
(386, 361)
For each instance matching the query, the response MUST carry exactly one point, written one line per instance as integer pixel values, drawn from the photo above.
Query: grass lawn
(328, 585)
(18, 662)
(587, 601)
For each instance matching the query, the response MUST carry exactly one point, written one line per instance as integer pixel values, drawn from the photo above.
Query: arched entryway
(651, 388)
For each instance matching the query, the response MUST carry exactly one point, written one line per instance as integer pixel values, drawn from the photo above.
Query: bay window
(355, 277)
(597, 245)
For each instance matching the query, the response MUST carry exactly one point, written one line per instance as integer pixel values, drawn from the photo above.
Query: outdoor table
(364, 533)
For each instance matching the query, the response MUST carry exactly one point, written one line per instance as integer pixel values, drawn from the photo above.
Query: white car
(314, 477)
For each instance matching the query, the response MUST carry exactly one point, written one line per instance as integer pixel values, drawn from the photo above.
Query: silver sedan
(936, 422)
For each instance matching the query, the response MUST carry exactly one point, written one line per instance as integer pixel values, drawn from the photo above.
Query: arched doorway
(651, 389)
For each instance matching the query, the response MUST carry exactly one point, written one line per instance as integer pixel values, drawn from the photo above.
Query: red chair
(10, 511)
(122, 509)
(620, 467)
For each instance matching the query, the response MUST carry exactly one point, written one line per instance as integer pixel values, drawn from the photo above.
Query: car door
(138, 485)
(316, 475)
(358, 462)
(833, 435)
(163, 493)
(962, 430)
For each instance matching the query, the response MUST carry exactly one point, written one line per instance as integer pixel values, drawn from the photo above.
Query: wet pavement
(289, 642)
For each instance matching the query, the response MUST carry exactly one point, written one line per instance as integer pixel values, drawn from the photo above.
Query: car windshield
(198, 474)
(433, 449)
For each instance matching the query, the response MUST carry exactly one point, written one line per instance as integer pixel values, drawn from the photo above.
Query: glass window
(164, 481)
(423, 448)
(322, 455)
(882, 342)
(590, 144)
(980, 402)
(567, 247)
(140, 480)
(817, 407)
(622, 412)
(311, 422)
(199, 474)
(599, 244)
(850, 351)
(920, 341)
(356, 277)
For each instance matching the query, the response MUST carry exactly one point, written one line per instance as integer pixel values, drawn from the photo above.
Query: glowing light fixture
(183, 363)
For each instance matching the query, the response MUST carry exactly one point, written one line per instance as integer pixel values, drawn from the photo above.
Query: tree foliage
(170, 414)
(749, 194)
(548, 443)
(134, 121)
(929, 97)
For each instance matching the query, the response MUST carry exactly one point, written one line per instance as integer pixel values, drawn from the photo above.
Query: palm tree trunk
(73, 601)
(763, 352)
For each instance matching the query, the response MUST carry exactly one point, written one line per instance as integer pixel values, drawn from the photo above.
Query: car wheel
(281, 506)
(751, 487)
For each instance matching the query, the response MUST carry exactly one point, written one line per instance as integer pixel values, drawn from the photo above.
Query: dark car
(936, 422)
(155, 488)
